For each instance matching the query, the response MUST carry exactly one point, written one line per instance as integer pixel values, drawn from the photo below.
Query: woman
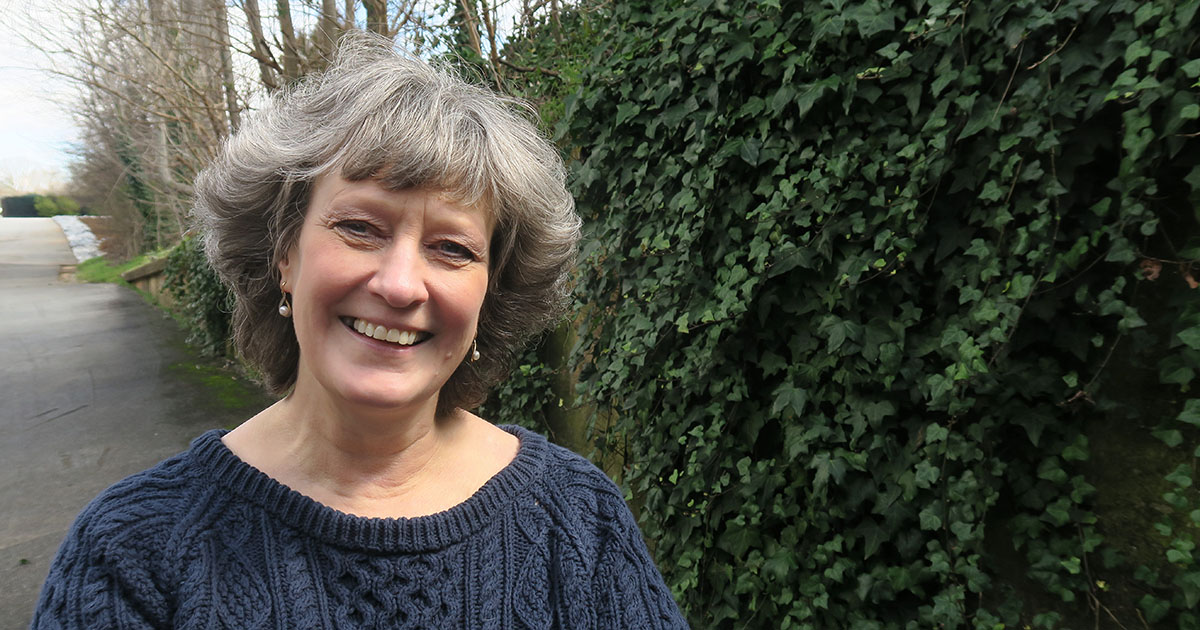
(391, 235)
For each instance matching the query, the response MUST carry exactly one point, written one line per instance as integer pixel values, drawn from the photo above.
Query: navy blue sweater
(204, 540)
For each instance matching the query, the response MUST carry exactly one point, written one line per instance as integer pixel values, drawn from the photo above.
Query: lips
(397, 336)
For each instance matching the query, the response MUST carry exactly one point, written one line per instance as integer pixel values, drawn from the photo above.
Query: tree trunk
(267, 66)
(291, 54)
(327, 28)
(231, 103)
(470, 25)
(493, 52)
(377, 16)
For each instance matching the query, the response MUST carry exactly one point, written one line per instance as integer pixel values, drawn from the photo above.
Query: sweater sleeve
(629, 586)
(102, 577)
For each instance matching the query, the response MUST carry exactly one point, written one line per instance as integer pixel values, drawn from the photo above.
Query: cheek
(465, 300)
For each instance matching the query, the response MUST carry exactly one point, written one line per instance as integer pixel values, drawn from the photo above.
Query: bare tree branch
(261, 52)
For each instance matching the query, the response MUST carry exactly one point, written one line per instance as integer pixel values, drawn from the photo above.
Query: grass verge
(99, 269)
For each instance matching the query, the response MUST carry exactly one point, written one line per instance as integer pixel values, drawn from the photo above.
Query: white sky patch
(36, 132)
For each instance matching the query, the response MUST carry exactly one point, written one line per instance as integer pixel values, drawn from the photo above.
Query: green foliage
(53, 205)
(550, 56)
(857, 277)
(99, 269)
(20, 206)
(204, 303)
(526, 397)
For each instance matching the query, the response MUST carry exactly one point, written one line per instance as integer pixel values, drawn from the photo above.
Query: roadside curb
(84, 244)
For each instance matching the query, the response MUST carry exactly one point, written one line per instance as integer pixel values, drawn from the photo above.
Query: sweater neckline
(390, 535)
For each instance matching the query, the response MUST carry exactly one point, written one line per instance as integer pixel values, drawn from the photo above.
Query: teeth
(393, 335)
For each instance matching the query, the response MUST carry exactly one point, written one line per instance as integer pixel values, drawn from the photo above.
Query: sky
(36, 132)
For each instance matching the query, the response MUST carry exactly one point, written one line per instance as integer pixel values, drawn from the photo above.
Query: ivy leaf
(877, 411)
(1178, 375)
(873, 536)
(1191, 69)
(1181, 476)
(927, 474)
(1077, 451)
(1189, 585)
(838, 331)
(810, 94)
(795, 440)
(626, 110)
(1155, 608)
(1193, 179)
(1170, 437)
(929, 519)
(1191, 337)
(676, 113)
(1022, 285)
(871, 18)
(1191, 412)
(1057, 513)
(750, 151)
(788, 396)
(741, 50)
(983, 114)
(771, 362)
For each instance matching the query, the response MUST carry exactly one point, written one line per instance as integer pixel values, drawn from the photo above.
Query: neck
(365, 461)
(358, 455)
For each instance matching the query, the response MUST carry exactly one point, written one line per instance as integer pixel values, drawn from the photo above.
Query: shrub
(205, 304)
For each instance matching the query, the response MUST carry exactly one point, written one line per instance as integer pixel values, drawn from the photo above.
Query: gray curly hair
(379, 113)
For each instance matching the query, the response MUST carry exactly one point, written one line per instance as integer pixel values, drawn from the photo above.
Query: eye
(354, 227)
(453, 250)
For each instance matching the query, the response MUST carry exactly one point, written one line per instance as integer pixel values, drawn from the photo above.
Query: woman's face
(386, 290)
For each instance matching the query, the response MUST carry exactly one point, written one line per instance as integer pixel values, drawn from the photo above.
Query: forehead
(332, 191)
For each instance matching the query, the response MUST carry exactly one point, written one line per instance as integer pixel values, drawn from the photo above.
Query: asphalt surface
(94, 386)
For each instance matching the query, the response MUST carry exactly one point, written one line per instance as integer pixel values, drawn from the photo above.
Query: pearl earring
(285, 307)
(474, 350)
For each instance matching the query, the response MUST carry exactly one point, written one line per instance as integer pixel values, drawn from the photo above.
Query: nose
(400, 278)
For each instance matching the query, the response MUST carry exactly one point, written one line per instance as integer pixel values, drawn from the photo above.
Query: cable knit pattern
(205, 541)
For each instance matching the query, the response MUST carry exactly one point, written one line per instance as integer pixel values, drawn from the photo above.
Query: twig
(1011, 76)
(1056, 50)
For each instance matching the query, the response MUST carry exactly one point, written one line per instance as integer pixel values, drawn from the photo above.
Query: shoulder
(136, 503)
(576, 493)
(116, 560)
(598, 539)
(135, 524)
(565, 470)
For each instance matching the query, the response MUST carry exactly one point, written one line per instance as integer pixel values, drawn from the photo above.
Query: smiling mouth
(383, 333)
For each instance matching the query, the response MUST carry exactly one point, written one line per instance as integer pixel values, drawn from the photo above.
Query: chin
(384, 396)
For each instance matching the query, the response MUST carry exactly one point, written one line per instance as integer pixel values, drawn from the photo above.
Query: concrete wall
(150, 278)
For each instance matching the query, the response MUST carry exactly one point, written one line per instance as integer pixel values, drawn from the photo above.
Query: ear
(285, 267)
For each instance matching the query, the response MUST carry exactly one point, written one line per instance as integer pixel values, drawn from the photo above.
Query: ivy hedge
(870, 288)
(201, 300)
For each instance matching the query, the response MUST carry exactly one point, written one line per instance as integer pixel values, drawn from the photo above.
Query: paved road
(94, 386)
